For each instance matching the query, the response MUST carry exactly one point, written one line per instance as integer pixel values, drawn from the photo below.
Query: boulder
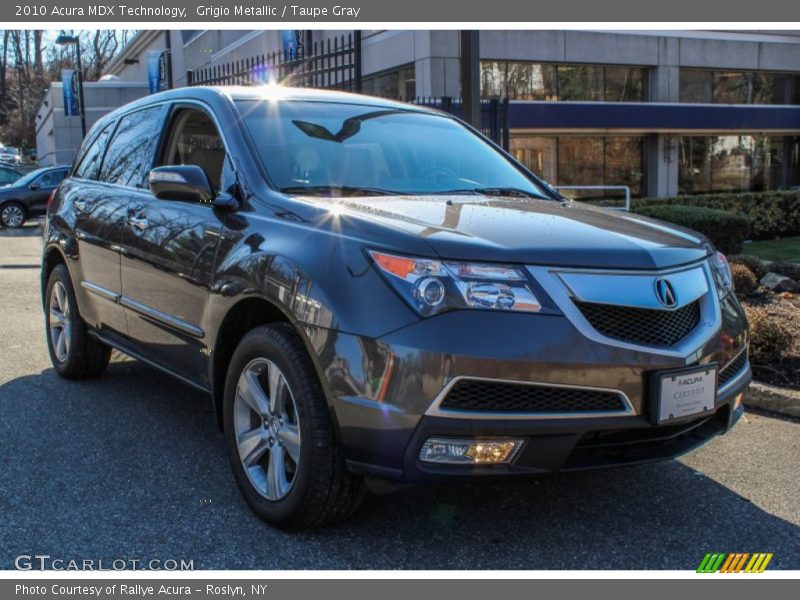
(779, 283)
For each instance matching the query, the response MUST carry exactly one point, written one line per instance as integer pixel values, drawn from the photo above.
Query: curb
(775, 399)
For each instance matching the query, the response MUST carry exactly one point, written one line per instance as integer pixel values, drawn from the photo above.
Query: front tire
(74, 353)
(279, 433)
(12, 215)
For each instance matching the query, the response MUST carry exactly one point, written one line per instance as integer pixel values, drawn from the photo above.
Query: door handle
(138, 223)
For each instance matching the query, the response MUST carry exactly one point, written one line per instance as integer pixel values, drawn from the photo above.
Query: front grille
(642, 325)
(732, 369)
(491, 396)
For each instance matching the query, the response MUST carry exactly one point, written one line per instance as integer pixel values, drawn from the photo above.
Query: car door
(99, 212)
(39, 190)
(170, 247)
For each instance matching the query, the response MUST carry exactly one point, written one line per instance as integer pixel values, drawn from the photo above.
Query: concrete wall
(58, 137)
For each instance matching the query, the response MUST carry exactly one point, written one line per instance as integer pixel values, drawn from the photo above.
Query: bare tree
(28, 64)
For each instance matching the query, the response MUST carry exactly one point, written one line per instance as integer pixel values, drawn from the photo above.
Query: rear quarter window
(89, 164)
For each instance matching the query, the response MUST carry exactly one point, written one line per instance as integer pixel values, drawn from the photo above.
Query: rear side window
(51, 178)
(8, 176)
(89, 164)
(131, 152)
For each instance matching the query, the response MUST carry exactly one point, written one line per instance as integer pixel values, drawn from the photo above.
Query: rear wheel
(279, 432)
(12, 215)
(74, 353)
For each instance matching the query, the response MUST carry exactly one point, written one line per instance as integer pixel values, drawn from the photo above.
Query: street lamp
(66, 40)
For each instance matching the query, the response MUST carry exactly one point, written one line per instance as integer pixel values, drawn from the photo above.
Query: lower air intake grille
(490, 396)
(732, 369)
(642, 325)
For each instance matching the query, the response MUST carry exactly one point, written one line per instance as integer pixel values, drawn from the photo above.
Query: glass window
(580, 83)
(541, 81)
(194, 140)
(531, 81)
(624, 84)
(8, 176)
(734, 163)
(696, 86)
(694, 167)
(581, 160)
(331, 146)
(51, 178)
(131, 153)
(739, 87)
(494, 79)
(399, 84)
(89, 164)
(624, 163)
(536, 153)
(733, 88)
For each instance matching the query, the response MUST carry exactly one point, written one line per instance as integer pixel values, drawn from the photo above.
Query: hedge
(726, 230)
(771, 214)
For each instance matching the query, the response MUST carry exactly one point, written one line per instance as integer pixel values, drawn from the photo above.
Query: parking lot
(132, 466)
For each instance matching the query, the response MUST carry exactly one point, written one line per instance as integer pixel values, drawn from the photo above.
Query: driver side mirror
(35, 186)
(181, 182)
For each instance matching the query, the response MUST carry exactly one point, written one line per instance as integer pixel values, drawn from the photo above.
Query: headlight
(433, 286)
(721, 271)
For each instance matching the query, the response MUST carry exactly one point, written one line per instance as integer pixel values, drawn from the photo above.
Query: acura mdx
(370, 291)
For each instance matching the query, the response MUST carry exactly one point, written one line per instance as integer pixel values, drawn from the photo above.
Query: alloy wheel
(13, 216)
(59, 321)
(267, 429)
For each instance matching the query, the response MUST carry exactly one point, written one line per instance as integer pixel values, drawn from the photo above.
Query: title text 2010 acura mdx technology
(372, 289)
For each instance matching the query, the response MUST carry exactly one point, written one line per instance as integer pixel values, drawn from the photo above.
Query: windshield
(315, 147)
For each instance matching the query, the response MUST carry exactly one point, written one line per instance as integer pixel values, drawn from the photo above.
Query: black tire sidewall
(61, 274)
(260, 344)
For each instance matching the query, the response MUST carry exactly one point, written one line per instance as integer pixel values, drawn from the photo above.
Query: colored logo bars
(734, 562)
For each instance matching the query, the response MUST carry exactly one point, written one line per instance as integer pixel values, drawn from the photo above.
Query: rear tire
(12, 215)
(74, 353)
(279, 432)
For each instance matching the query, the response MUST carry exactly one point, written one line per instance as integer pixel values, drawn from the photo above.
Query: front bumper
(382, 392)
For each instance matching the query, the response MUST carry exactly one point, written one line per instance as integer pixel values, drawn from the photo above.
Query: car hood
(530, 231)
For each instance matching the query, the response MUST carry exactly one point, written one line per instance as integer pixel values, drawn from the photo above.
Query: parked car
(27, 196)
(10, 155)
(8, 175)
(369, 290)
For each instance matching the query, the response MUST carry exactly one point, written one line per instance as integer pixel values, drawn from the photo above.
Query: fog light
(457, 451)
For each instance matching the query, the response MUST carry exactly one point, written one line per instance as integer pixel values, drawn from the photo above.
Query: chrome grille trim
(687, 348)
(436, 410)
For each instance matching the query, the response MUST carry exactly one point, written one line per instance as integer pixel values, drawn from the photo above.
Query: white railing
(623, 188)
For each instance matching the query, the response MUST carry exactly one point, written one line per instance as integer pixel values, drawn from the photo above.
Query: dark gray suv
(369, 290)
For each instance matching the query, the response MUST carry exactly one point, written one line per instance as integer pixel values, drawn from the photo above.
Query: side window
(89, 164)
(51, 178)
(194, 140)
(7, 176)
(130, 154)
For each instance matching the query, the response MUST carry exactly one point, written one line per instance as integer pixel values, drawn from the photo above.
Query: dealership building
(663, 113)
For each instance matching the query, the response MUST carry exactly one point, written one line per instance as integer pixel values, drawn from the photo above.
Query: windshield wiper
(498, 191)
(344, 190)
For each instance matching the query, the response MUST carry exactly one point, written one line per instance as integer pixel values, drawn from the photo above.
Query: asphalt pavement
(132, 466)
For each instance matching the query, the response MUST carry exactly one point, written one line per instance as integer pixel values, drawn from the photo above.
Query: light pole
(66, 40)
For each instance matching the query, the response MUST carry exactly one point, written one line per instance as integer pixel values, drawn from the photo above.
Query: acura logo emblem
(665, 293)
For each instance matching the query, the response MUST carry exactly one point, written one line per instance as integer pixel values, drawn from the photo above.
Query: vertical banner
(157, 70)
(69, 86)
(292, 44)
